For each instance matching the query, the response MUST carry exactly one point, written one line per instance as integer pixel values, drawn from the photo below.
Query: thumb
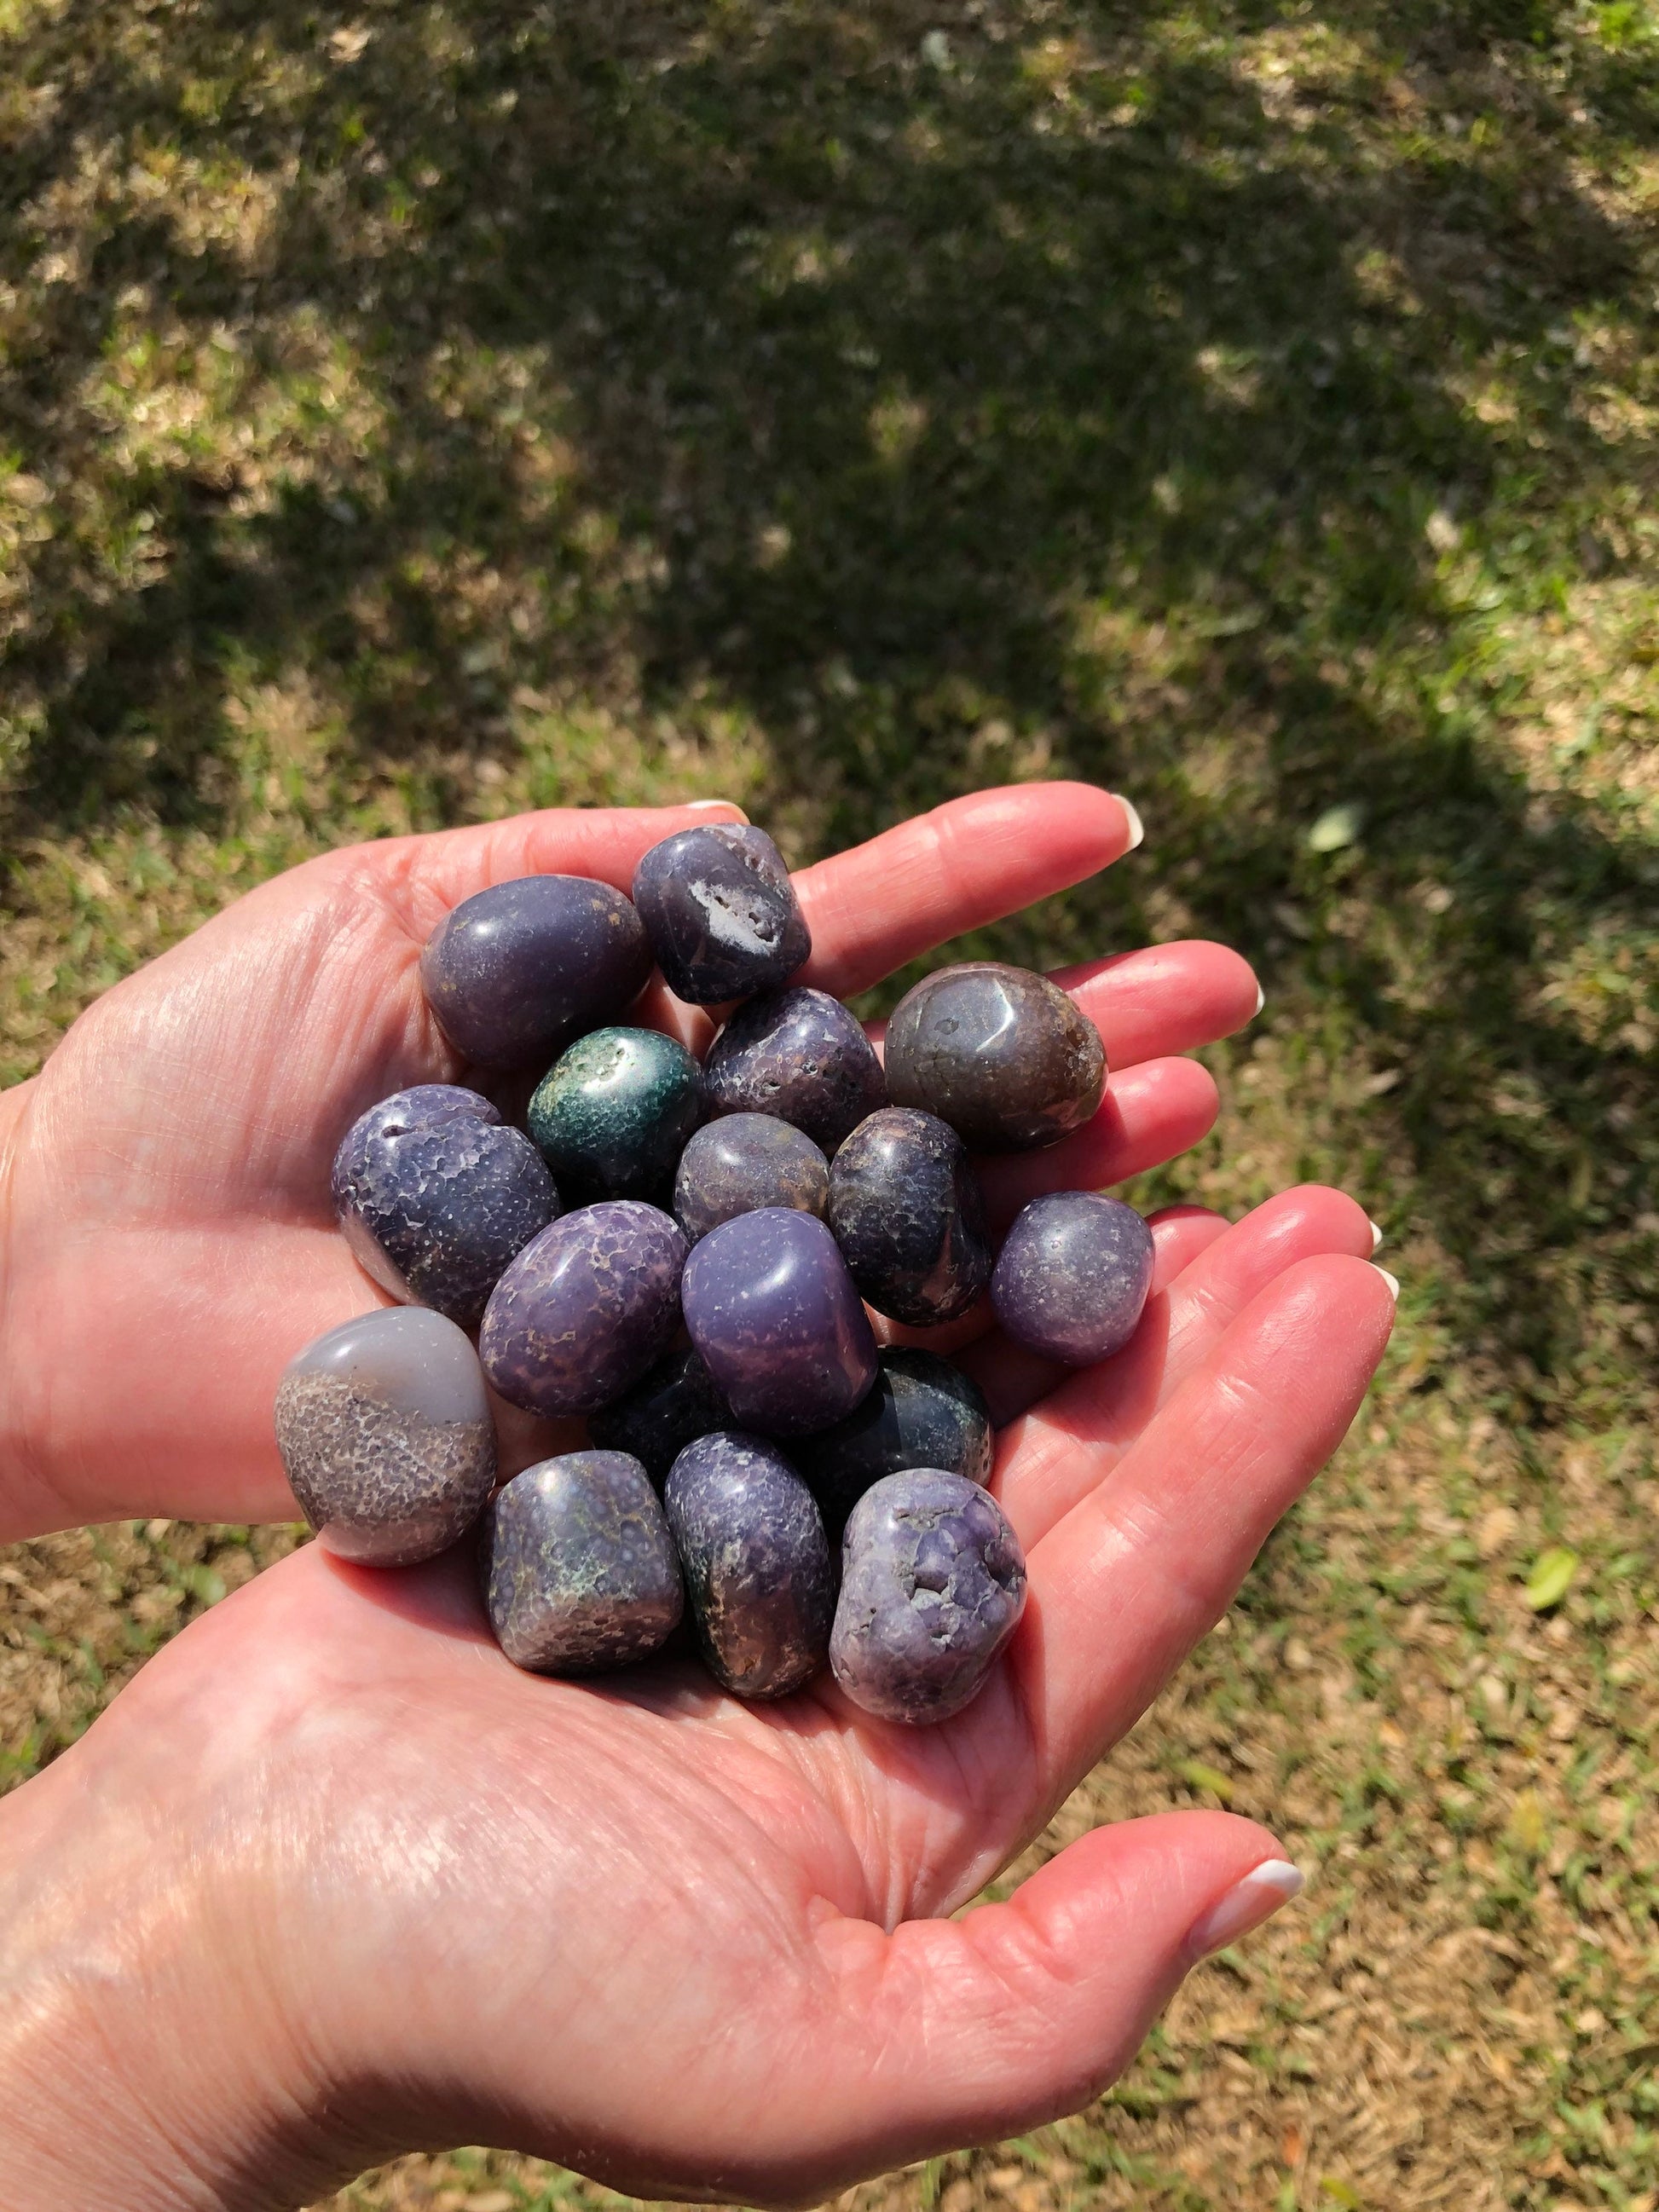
(965, 2030)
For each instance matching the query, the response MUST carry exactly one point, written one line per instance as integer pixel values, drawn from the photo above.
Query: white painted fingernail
(1376, 1234)
(1245, 1906)
(1137, 827)
(707, 805)
(1393, 1282)
(1260, 1000)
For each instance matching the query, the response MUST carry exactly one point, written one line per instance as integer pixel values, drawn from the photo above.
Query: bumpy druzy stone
(1000, 1054)
(720, 912)
(579, 1568)
(1072, 1276)
(908, 1214)
(516, 972)
(773, 1311)
(742, 1162)
(922, 1412)
(758, 1569)
(384, 1427)
(932, 1586)
(435, 1195)
(799, 1055)
(585, 1308)
(612, 1114)
(673, 1405)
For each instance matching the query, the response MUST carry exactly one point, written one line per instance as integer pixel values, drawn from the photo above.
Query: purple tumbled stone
(774, 1312)
(742, 1162)
(579, 1568)
(585, 1308)
(1072, 1276)
(932, 1586)
(516, 972)
(801, 1054)
(758, 1569)
(435, 1195)
(1002, 1054)
(720, 912)
(384, 1431)
(907, 1211)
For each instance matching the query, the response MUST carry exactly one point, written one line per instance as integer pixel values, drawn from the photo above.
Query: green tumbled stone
(611, 1116)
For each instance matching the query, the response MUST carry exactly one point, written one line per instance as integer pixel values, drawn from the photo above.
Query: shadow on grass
(955, 393)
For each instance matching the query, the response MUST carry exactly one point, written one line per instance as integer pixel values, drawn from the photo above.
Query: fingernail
(1260, 1000)
(1393, 1282)
(1245, 1905)
(1137, 827)
(707, 805)
(1376, 1234)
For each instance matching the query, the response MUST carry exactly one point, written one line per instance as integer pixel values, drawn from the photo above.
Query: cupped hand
(398, 1894)
(164, 1223)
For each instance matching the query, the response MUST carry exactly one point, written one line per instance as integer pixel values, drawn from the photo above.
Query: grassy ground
(412, 412)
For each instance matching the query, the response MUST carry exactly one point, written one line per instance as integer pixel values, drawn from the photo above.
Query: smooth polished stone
(516, 972)
(673, 1405)
(613, 1114)
(908, 1214)
(742, 1162)
(384, 1428)
(922, 1412)
(435, 1195)
(720, 912)
(932, 1586)
(585, 1308)
(1000, 1054)
(774, 1312)
(580, 1572)
(1072, 1276)
(798, 1054)
(759, 1573)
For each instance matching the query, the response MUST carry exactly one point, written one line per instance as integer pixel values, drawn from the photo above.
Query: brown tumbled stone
(1000, 1054)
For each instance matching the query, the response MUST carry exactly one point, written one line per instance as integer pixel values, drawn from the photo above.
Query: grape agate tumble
(773, 1311)
(758, 1570)
(1073, 1277)
(384, 1428)
(585, 1308)
(720, 912)
(801, 1055)
(515, 973)
(1000, 1054)
(907, 1211)
(932, 1587)
(922, 1412)
(435, 1195)
(612, 1114)
(676, 1403)
(579, 1568)
(742, 1162)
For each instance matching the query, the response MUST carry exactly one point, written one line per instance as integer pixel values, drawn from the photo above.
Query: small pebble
(932, 1587)
(720, 912)
(384, 1431)
(517, 972)
(773, 1311)
(922, 1412)
(585, 1308)
(579, 1568)
(1072, 1276)
(611, 1116)
(1000, 1054)
(907, 1211)
(435, 1195)
(742, 1162)
(676, 1403)
(801, 1055)
(759, 1573)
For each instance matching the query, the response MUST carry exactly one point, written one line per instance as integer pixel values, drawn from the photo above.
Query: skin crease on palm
(331, 1879)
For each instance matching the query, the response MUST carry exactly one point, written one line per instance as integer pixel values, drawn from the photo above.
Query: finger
(1081, 1421)
(1164, 998)
(971, 2030)
(970, 862)
(1125, 1585)
(1150, 1114)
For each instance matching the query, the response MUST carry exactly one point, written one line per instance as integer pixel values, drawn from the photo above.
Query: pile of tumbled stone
(686, 1255)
